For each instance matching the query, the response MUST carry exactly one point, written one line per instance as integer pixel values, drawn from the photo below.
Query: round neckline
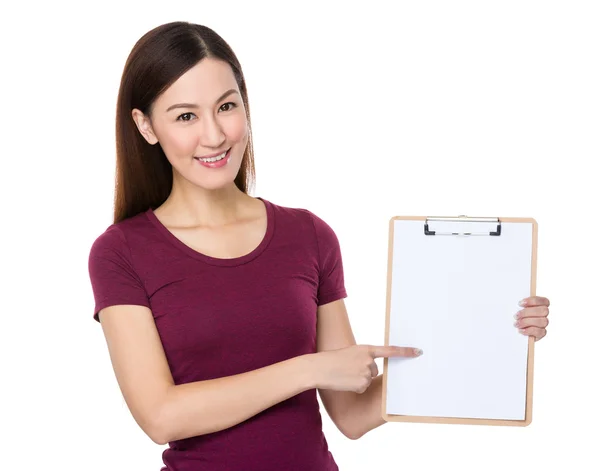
(226, 262)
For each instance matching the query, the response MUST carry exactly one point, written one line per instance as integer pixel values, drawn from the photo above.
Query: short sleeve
(112, 275)
(331, 270)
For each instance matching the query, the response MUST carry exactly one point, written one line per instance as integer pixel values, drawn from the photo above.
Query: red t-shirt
(221, 317)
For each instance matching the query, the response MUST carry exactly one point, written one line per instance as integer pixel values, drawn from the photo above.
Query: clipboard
(453, 288)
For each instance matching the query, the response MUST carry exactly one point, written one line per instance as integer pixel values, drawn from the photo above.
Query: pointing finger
(394, 351)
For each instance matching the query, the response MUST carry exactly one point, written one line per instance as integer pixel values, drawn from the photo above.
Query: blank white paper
(455, 298)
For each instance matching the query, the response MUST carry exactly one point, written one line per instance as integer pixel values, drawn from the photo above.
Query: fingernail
(522, 302)
(418, 351)
(517, 315)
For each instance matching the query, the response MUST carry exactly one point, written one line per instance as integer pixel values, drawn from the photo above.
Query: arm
(365, 415)
(353, 414)
(168, 412)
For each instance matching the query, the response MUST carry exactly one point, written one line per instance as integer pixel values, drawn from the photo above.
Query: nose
(211, 133)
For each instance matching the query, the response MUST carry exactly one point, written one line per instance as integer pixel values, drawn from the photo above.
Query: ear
(143, 124)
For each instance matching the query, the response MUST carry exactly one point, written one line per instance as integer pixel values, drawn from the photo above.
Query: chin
(218, 180)
(215, 185)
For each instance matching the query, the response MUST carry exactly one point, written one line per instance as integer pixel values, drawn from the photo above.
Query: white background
(361, 111)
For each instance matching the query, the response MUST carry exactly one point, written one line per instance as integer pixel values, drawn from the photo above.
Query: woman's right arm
(168, 412)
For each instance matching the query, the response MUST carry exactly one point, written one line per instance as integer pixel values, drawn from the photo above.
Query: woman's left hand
(533, 318)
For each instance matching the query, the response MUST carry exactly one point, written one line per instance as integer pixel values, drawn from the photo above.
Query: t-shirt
(221, 317)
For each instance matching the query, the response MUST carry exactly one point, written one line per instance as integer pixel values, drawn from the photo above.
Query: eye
(184, 114)
(233, 105)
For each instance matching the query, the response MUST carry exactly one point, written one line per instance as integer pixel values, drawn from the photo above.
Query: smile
(213, 159)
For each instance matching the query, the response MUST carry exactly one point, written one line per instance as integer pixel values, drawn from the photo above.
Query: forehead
(202, 84)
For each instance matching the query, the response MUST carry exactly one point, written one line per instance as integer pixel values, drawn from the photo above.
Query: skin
(201, 197)
(205, 206)
(533, 318)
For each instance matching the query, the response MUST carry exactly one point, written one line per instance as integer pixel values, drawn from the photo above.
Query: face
(200, 115)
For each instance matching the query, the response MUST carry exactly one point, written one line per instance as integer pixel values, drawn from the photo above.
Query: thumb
(394, 351)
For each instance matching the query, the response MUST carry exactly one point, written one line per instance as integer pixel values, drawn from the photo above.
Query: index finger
(535, 301)
(394, 351)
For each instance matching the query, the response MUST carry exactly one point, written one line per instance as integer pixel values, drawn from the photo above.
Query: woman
(223, 313)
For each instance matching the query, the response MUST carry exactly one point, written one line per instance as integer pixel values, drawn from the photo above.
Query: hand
(353, 368)
(533, 318)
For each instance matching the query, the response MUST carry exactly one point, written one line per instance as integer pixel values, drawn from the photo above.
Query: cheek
(236, 129)
(180, 143)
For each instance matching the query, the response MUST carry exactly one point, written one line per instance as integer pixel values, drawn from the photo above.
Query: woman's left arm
(356, 414)
(353, 414)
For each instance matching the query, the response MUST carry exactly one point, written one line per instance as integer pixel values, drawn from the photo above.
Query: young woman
(223, 313)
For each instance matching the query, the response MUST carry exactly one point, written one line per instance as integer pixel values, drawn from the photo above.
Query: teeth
(214, 159)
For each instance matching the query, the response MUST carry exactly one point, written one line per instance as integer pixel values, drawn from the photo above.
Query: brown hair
(144, 176)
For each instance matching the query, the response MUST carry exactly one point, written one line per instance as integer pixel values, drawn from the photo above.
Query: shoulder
(298, 216)
(115, 238)
(110, 241)
(304, 220)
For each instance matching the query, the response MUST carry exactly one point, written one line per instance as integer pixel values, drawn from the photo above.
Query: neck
(206, 208)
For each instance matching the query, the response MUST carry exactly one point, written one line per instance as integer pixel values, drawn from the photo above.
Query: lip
(218, 164)
(211, 155)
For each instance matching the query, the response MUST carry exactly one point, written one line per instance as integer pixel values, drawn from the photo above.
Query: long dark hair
(144, 176)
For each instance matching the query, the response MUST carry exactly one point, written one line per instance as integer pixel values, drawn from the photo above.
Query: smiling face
(199, 116)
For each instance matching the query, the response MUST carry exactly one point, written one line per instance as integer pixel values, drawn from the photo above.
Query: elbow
(160, 441)
(158, 428)
(158, 433)
(353, 435)
(158, 436)
(349, 432)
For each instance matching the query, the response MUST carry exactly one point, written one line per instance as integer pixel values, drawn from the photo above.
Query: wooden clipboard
(423, 389)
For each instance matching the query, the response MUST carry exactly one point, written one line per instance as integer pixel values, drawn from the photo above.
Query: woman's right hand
(353, 368)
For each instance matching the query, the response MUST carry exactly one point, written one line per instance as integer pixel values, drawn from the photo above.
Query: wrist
(310, 370)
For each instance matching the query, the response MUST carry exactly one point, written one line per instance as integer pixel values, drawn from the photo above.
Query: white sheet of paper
(455, 298)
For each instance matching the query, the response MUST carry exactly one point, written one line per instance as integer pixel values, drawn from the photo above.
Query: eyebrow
(193, 105)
